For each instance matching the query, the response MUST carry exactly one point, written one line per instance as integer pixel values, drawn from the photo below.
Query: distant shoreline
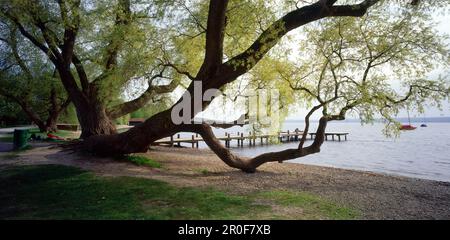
(413, 120)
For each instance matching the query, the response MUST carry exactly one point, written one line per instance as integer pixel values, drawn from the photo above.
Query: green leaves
(376, 64)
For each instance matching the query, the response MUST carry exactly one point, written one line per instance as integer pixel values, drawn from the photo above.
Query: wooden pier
(338, 135)
(251, 138)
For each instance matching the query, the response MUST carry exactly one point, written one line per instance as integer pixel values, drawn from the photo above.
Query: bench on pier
(290, 136)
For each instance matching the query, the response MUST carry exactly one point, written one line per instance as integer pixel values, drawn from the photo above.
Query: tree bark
(51, 125)
(137, 139)
(94, 120)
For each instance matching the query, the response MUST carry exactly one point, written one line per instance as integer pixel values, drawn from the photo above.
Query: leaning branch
(241, 63)
(123, 19)
(250, 164)
(133, 105)
(215, 30)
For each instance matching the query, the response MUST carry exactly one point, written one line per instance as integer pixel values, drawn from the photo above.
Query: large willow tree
(220, 42)
(97, 48)
(216, 71)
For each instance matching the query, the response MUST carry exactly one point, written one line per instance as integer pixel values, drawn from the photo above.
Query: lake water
(422, 153)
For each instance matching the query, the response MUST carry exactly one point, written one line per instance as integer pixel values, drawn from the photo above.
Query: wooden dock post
(242, 139)
(179, 143)
(171, 141)
(226, 141)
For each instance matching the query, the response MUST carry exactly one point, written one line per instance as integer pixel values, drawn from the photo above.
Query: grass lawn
(142, 161)
(61, 192)
(8, 138)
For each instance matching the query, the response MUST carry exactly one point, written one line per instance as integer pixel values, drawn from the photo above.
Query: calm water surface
(422, 153)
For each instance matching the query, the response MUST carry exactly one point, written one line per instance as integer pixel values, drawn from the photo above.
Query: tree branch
(81, 73)
(29, 36)
(185, 73)
(123, 19)
(241, 121)
(250, 164)
(133, 105)
(241, 63)
(70, 29)
(15, 51)
(214, 37)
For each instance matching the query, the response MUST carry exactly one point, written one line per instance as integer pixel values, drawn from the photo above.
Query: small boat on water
(407, 126)
(424, 124)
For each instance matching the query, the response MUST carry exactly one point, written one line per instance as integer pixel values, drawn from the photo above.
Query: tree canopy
(374, 66)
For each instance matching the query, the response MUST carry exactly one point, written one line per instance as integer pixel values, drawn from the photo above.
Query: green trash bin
(20, 138)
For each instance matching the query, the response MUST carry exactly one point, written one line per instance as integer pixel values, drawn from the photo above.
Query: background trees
(11, 113)
(28, 82)
(96, 48)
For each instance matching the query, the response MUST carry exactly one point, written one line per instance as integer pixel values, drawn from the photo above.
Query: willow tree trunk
(43, 128)
(48, 126)
(51, 126)
(137, 139)
(94, 120)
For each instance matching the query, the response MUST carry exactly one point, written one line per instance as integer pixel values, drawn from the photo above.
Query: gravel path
(378, 196)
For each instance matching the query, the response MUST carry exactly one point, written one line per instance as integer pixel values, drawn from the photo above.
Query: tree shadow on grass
(62, 192)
